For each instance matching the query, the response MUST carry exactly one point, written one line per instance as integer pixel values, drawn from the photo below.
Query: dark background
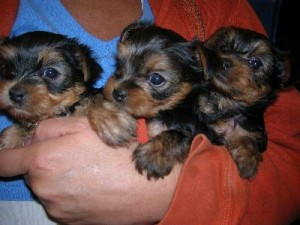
(288, 37)
(281, 19)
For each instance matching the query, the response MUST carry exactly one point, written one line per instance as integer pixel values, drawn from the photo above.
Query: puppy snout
(17, 95)
(119, 95)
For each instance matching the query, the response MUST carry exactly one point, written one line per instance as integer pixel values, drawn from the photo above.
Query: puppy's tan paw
(114, 126)
(14, 136)
(150, 159)
(247, 162)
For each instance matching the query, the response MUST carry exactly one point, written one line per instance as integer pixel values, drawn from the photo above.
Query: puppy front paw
(247, 162)
(114, 126)
(149, 158)
(2, 145)
(158, 156)
(14, 136)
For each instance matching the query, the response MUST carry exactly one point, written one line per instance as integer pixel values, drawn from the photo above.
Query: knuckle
(39, 161)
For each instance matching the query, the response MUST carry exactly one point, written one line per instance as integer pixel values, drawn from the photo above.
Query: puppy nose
(119, 95)
(17, 95)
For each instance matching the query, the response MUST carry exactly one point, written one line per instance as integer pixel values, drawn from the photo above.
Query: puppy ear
(121, 48)
(283, 67)
(205, 57)
(132, 29)
(90, 68)
(287, 74)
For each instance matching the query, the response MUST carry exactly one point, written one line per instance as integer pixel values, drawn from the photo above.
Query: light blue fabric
(52, 16)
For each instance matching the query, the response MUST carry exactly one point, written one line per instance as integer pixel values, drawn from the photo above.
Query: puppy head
(155, 70)
(42, 73)
(242, 64)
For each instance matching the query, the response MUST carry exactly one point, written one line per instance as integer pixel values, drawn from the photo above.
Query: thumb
(15, 161)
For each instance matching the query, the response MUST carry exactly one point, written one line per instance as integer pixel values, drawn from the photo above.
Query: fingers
(56, 127)
(18, 161)
(14, 162)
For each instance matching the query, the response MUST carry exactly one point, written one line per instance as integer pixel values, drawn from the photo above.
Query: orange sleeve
(275, 193)
(8, 12)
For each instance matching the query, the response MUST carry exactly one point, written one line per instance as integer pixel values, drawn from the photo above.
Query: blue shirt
(52, 16)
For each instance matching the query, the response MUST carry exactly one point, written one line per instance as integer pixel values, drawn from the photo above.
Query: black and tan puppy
(44, 75)
(244, 72)
(155, 79)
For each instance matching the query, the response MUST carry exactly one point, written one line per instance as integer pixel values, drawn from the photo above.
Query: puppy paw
(247, 162)
(2, 146)
(14, 136)
(248, 169)
(150, 159)
(114, 126)
(157, 157)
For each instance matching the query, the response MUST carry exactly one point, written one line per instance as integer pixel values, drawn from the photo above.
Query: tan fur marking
(49, 55)
(140, 104)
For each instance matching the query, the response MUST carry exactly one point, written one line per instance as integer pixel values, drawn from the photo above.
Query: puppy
(156, 79)
(44, 75)
(244, 72)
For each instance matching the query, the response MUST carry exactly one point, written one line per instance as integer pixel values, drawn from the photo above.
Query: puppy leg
(244, 146)
(114, 126)
(14, 136)
(245, 151)
(161, 153)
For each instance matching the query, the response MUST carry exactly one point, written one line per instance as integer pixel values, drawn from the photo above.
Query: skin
(110, 26)
(87, 182)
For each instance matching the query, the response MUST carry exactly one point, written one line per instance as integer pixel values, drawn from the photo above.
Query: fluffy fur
(220, 88)
(244, 72)
(157, 79)
(44, 75)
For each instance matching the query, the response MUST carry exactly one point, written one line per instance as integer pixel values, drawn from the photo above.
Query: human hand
(80, 180)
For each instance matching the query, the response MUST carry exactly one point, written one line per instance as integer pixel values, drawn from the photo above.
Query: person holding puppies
(99, 185)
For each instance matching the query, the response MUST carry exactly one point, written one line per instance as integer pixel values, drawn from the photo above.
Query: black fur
(244, 73)
(42, 75)
(149, 52)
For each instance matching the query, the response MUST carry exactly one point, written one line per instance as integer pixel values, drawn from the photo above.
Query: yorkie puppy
(244, 72)
(44, 75)
(155, 79)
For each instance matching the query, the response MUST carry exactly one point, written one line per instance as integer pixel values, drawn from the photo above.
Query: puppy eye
(50, 73)
(156, 79)
(255, 63)
(226, 65)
